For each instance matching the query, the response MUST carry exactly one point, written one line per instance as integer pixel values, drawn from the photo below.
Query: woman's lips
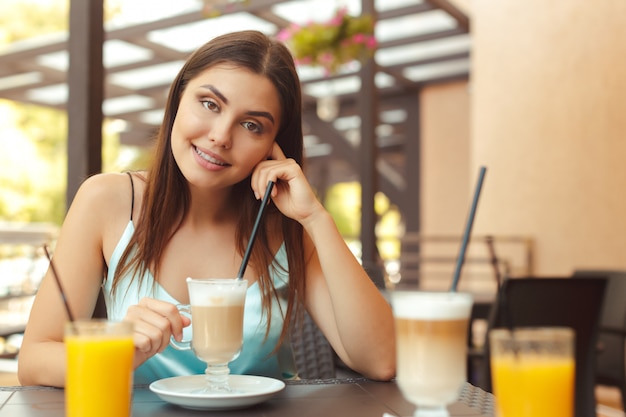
(211, 158)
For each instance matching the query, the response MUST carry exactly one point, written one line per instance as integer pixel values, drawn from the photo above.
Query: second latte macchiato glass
(431, 343)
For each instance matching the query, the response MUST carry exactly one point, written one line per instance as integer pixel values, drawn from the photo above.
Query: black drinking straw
(468, 229)
(257, 222)
(58, 281)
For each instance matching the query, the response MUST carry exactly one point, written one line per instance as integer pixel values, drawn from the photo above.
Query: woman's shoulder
(107, 184)
(103, 205)
(110, 193)
(104, 187)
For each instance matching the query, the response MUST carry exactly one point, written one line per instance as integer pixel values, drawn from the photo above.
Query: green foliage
(33, 163)
(33, 140)
(47, 128)
(22, 19)
(343, 202)
(32, 173)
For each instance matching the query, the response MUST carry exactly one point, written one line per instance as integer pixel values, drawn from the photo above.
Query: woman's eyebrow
(262, 114)
(221, 96)
(215, 91)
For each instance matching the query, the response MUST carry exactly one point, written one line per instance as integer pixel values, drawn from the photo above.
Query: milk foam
(203, 293)
(431, 306)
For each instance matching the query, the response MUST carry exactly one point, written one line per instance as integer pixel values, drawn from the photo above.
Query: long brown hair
(167, 196)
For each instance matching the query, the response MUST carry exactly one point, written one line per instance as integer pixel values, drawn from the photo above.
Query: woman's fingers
(292, 193)
(279, 172)
(264, 173)
(155, 321)
(277, 153)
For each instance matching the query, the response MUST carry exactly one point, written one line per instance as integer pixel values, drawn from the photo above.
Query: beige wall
(445, 162)
(445, 150)
(548, 118)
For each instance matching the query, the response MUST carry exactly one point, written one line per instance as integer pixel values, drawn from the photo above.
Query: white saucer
(247, 390)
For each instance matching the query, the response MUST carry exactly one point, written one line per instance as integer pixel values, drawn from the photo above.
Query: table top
(312, 398)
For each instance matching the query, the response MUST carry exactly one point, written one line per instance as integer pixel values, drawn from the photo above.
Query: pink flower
(358, 38)
(326, 58)
(338, 18)
(304, 60)
(284, 35)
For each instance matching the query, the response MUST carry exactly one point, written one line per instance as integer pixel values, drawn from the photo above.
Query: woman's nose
(220, 133)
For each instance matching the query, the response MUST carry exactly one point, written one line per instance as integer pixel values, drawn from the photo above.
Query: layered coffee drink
(431, 340)
(217, 320)
(216, 308)
(217, 331)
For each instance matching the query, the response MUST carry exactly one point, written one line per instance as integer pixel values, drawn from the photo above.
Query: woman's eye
(251, 126)
(209, 105)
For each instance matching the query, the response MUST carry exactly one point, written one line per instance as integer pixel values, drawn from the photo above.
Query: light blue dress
(256, 356)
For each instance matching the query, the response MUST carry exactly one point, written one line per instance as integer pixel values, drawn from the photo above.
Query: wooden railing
(22, 266)
(430, 260)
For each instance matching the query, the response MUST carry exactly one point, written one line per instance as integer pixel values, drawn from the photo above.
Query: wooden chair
(568, 302)
(610, 359)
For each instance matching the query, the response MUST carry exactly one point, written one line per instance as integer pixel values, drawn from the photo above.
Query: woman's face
(226, 123)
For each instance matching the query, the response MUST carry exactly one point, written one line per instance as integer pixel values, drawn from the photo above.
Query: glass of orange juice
(99, 377)
(532, 371)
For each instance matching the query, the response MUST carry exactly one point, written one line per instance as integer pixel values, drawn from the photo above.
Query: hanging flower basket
(214, 8)
(331, 44)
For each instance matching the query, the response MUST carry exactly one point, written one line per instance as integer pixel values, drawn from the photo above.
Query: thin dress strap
(132, 195)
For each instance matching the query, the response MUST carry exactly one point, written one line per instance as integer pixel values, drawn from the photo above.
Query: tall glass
(431, 343)
(99, 379)
(533, 371)
(216, 309)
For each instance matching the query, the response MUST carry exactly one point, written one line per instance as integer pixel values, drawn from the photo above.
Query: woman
(232, 124)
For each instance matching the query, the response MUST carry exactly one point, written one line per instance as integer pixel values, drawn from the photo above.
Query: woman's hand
(292, 193)
(155, 321)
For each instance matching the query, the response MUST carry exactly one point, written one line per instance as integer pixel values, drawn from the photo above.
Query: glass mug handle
(185, 344)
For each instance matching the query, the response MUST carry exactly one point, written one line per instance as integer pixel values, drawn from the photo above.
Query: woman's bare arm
(340, 296)
(79, 262)
(346, 304)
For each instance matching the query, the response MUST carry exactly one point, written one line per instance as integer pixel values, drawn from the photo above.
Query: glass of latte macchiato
(216, 309)
(431, 343)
